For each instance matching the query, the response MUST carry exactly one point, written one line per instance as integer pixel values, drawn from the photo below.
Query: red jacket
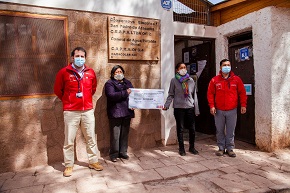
(223, 93)
(66, 87)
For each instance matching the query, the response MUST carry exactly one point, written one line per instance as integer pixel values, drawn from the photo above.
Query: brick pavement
(162, 169)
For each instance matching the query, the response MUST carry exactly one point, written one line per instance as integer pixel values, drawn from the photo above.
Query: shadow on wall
(145, 130)
(52, 126)
(146, 126)
(102, 125)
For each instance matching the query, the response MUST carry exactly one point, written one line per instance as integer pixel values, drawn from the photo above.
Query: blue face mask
(226, 69)
(79, 62)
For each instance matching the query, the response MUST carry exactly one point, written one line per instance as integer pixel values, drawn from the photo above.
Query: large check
(146, 98)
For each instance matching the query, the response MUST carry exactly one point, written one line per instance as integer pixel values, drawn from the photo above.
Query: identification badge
(79, 94)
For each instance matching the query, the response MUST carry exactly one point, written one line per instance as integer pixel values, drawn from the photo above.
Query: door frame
(245, 128)
(209, 123)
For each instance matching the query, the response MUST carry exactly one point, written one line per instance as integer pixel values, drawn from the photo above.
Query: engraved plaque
(133, 38)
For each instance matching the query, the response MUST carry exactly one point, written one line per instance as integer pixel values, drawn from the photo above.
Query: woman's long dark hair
(114, 70)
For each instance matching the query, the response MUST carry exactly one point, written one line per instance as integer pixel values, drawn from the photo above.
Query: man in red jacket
(75, 85)
(223, 93)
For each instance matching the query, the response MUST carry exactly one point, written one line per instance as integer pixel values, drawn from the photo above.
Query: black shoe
(113, 159)
(182, 152)
(193, 151)
(124, 156)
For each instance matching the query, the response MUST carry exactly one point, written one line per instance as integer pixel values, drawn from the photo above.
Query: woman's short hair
(114, 70)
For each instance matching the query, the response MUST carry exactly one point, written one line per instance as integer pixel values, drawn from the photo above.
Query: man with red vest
(75, 86)
(223, 93)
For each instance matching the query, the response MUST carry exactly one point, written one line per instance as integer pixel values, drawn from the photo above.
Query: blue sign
(248, 88)
(166, 4)
(244, 54)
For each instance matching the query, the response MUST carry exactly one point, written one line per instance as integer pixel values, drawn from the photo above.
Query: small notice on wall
(248, 88)
(186, 57)
(244, 54)
(132, 38)
(201, 66)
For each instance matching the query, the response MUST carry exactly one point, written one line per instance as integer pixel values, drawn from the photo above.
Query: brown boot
(231, 153)
(96, 166)
(68, 171)
(220, 152)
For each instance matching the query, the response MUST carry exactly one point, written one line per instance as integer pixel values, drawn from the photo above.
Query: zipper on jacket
(83, 92)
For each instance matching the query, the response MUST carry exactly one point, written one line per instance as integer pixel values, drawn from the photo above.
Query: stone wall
(280, 68)
(32, 128)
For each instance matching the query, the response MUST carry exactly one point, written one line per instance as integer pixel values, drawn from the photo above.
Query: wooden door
(241, 57)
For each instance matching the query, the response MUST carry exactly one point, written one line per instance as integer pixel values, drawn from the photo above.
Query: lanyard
(78, 79)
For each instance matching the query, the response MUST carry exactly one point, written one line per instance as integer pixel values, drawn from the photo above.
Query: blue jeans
(225, 122)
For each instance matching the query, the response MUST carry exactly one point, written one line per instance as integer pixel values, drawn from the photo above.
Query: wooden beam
(230, 13)
(226, 5)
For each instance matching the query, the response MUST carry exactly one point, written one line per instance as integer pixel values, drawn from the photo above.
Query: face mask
(119, 76)
(79, 62)
(182, 72)
(226, 69)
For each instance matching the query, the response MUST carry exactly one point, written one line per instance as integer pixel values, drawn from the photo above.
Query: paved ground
(162, 170)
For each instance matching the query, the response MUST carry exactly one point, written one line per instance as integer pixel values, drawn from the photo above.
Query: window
(33, 48)
(191, 11)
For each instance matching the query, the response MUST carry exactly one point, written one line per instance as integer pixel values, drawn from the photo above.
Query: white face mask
(119, 76)
(182, 72)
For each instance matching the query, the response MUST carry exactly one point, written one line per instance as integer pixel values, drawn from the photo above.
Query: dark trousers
(119, 132)
(185, 118)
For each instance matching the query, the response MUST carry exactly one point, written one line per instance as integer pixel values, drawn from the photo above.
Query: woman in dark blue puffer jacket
(117, 90)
